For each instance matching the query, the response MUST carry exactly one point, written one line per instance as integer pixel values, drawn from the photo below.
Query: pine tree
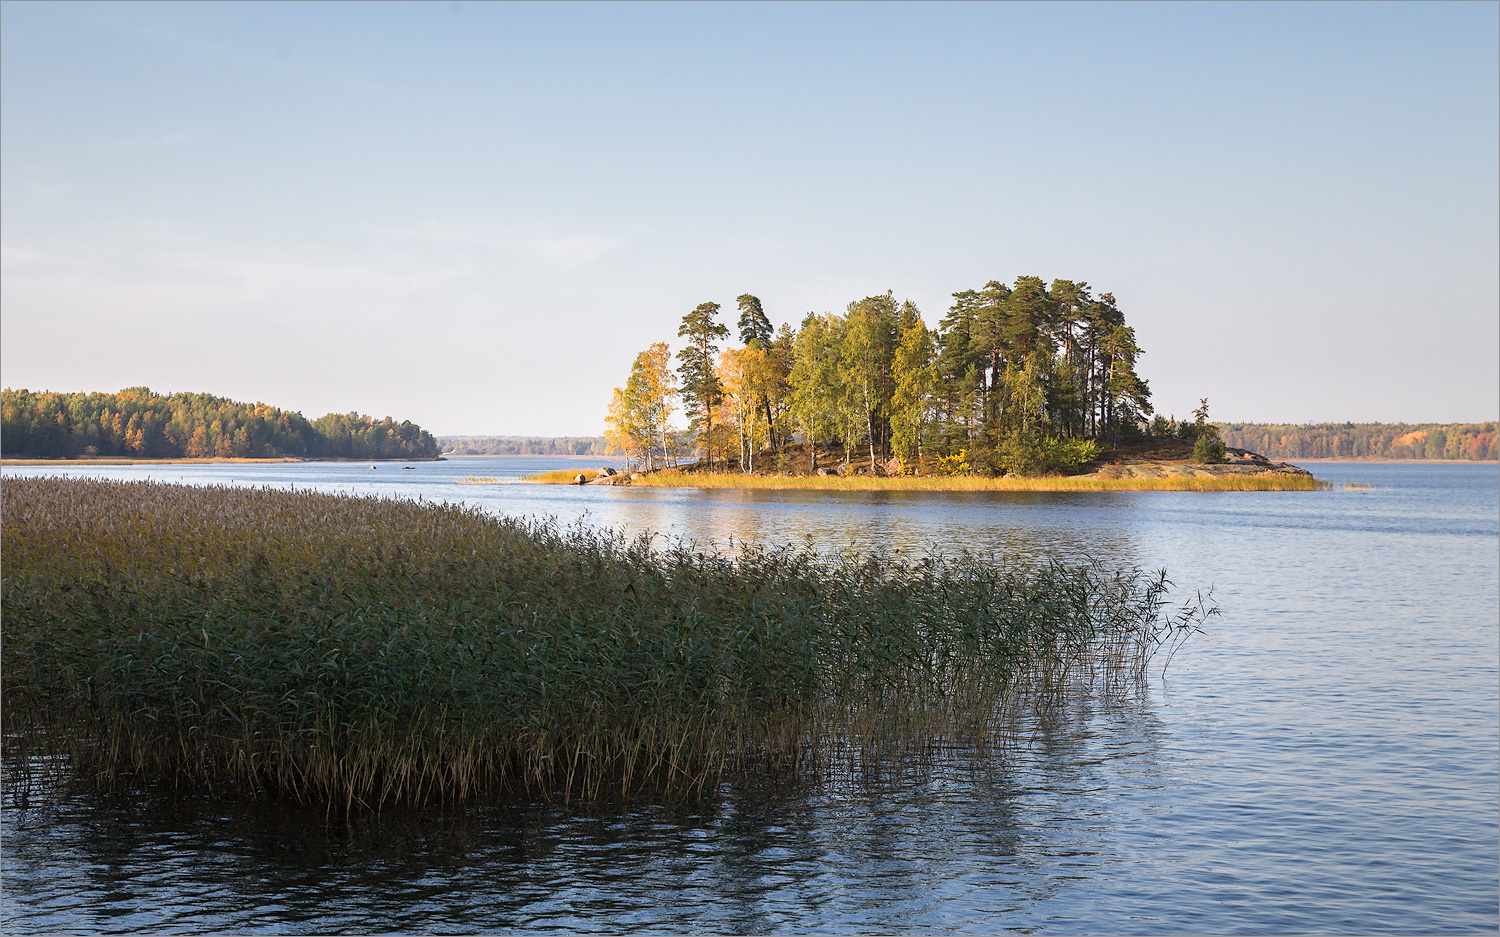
(701, 390)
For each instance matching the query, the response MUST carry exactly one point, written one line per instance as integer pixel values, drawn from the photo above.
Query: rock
(826, 472)
(893, 467)
(606, 470)
(636, 476)
(603, 480)
(580, 479)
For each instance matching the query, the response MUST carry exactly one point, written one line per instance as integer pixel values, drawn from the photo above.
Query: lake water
(1325, 760)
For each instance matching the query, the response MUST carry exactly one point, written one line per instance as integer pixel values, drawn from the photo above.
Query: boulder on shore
(580, 479)
(606, 470)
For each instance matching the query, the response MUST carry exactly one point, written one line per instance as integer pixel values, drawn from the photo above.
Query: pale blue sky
(474, 215)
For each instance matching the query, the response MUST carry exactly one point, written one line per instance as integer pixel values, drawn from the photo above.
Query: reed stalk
(357, 651)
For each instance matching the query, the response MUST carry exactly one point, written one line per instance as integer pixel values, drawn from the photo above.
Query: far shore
(1398, 461)
(121, 461)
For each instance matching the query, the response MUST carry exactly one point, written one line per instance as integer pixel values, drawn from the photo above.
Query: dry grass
(559, 476)
(360, 651)
(479, 480)
(1270, 481)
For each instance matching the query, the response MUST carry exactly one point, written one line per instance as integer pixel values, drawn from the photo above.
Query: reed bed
(355, 652)
(1266, 481)
(479, 480)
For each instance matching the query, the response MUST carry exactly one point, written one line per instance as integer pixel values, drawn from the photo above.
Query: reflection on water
(961, 843)
(1327, 759)
(1003, 523)
(1008, 523)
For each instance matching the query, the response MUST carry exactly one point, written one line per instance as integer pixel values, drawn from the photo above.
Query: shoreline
(530, 455)
(213, 461)
(1266, 481)
(1370, 461)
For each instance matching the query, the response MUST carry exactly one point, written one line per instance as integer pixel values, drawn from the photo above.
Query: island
(1023, 386)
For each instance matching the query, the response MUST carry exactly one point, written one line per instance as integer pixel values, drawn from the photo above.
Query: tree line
(1022, 378)
(1473, 442)
(135, 423)
(524, 445)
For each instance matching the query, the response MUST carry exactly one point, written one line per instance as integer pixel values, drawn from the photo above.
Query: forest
(524, 445)
(135, 423)
(1470, 442)
(1023, 378)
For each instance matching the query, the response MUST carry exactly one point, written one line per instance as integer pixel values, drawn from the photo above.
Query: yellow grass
(1270, 481)
(559, 476)
(479, 480)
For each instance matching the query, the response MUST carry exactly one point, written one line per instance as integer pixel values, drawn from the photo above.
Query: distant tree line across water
(1472, 442)
(135, 423)
(524, 445)
(1022, 378)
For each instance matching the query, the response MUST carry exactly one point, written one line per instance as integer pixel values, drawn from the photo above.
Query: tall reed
(357, 651)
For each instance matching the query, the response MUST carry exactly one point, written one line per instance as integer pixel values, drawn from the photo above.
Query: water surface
(1325, 760)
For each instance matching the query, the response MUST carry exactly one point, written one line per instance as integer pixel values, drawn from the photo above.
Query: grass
(1269, 481)
(1357, 486)
(559, 476)
(356, 652)
(479, 480)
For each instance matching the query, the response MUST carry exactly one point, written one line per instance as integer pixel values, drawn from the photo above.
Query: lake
(1326, 759)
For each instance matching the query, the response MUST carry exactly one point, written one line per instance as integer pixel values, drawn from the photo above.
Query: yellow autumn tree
(638, 420)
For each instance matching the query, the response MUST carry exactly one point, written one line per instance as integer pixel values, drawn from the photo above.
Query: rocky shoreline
(1178, 465)
(1149, 459)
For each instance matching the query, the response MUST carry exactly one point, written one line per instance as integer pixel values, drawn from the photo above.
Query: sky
(474, 215)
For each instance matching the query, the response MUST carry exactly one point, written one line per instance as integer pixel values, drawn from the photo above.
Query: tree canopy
(1021, 377)
(136, 423)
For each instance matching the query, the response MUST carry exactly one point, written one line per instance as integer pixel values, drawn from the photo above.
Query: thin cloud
(14, 259)
(577, 250)
(756, 243)
(137, 144)
(566, 251)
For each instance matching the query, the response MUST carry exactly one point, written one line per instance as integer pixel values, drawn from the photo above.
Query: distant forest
(1470, 442)
(524, 445)
(135, 423)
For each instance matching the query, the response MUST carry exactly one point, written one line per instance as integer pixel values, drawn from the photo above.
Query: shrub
(1208, 449)
(956, 464)
(1066, 454)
